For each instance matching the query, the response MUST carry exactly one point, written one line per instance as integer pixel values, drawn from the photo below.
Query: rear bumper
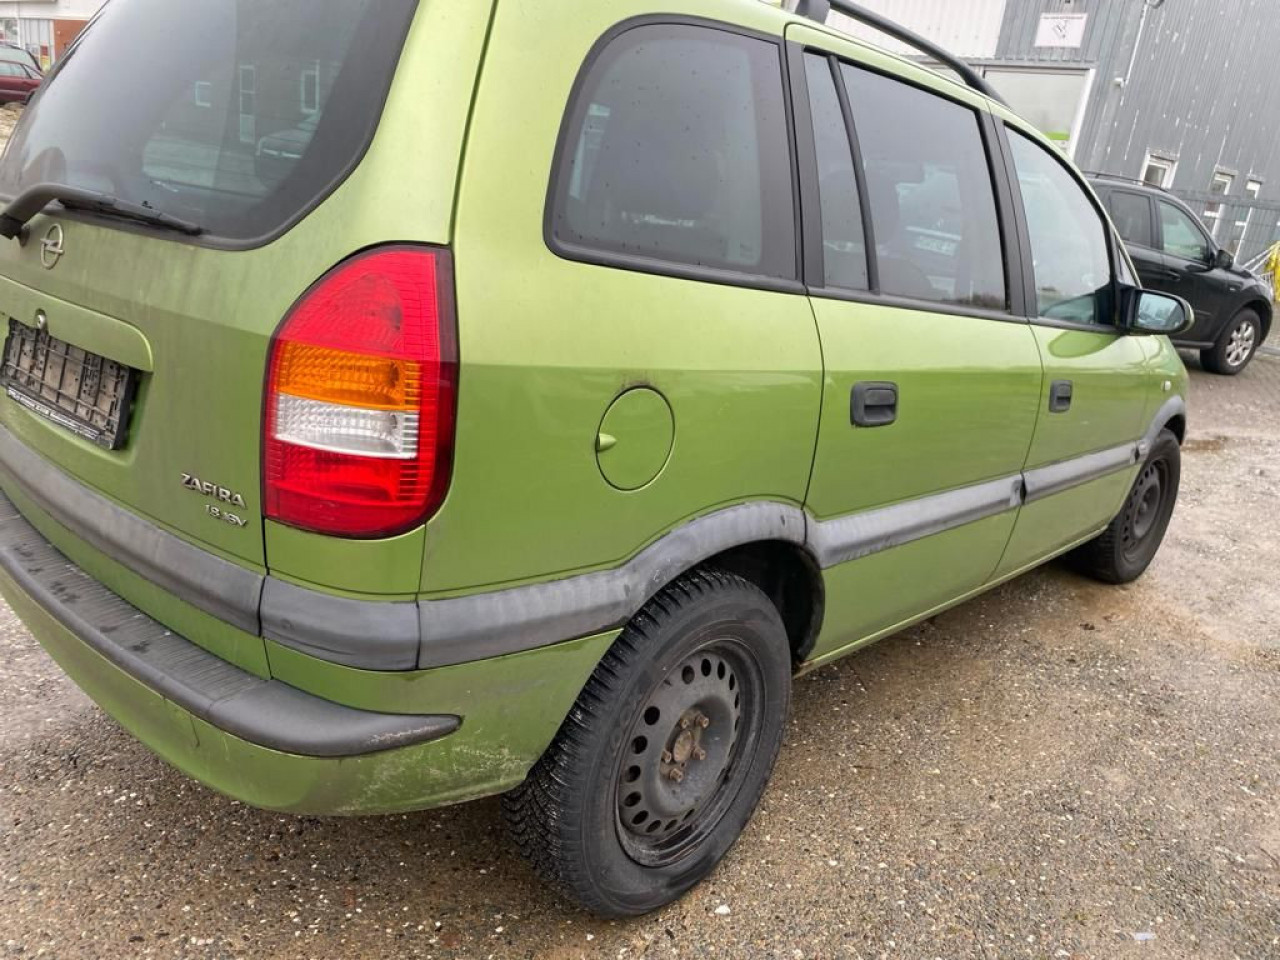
(271, 745)
(265, 713)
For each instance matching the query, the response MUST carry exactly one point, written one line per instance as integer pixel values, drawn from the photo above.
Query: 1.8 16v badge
(224, 497)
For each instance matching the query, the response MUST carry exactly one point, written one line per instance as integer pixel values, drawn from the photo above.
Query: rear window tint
(933, 206)
(844, 249)
(235, 114)
(1132, 215)
(676, 152)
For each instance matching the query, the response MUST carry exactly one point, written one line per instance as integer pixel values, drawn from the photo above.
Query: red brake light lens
(361, 384)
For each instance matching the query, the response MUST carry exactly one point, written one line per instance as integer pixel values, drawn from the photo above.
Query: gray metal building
(1182, 93)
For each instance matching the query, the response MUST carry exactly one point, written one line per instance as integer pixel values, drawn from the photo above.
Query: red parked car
(18, 81)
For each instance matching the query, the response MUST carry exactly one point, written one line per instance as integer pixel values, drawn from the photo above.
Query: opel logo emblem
(51, 248)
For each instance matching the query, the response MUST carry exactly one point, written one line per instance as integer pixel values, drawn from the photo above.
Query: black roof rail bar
(819, 10)
(1099, 175)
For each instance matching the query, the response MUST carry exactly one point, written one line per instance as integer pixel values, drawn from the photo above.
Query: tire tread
(535, 810)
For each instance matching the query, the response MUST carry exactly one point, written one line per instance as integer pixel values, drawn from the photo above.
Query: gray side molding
(861, 534)
(1044, 482)
(355, 633)
(216, 586)
(263, 712)
(522, 618)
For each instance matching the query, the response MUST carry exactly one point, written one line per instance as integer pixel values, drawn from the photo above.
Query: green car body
(615, 427)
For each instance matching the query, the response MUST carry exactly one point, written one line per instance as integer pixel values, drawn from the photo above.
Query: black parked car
(1175, 253)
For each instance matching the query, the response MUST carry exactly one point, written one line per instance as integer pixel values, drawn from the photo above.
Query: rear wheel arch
(789, 575)
(1177, 425)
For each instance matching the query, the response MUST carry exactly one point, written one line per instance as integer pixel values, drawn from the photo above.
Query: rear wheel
(663, 759)
(1126, 548)
(1236, 346)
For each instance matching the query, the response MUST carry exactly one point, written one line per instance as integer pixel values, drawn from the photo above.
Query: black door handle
(1060, 396)
(874, 404)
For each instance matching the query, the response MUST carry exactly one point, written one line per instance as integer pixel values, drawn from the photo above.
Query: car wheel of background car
(1236, 346)
(1126, 548)
(663, 758)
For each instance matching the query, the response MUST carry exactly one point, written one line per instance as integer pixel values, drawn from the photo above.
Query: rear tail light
(358, 426)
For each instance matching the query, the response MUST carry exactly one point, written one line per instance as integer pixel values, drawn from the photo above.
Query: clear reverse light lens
(390, 434)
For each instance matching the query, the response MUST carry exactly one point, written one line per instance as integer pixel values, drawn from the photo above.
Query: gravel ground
(1056, 770)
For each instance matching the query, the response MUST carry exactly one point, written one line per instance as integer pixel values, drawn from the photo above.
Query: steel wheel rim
(687, 752)
(1240, 346)
(1145, 507)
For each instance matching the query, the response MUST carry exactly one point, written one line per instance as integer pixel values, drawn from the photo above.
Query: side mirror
(1222, 260)
(1157, 314)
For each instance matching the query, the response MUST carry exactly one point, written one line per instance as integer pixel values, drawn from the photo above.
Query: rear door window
(844, 249)
(933, 208)
(676, 153)
(237, 115)
(1132, 215)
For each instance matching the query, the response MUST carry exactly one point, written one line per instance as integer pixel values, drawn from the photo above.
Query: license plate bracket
(80, 391)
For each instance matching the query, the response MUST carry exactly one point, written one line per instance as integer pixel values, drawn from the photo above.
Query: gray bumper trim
(264, 712)
(216, 586)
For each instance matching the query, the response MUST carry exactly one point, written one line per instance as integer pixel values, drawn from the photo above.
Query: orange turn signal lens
(352, 379)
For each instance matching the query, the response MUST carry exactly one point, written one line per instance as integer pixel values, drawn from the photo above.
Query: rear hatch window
(238, 116)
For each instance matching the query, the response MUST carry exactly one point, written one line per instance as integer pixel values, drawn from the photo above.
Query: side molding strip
(861, 534)
(506, 621)
(1044, 482)
(389, 636)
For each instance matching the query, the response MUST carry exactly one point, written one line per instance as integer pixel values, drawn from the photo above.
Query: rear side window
(844, 250)
(676, 152)
(238, 115)
(1069, 249)
(933, 208)
(1132, 215)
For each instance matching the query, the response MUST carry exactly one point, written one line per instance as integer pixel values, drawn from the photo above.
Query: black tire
(1122, 553)
(602, 816)
(1236, 345)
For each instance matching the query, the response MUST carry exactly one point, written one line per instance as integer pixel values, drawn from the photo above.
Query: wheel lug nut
(684, 723)
(704, 722)
(666, 756)
(676, 774)
(700, 753)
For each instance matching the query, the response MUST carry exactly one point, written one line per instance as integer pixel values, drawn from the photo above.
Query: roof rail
(1099, 175)
(819, 10)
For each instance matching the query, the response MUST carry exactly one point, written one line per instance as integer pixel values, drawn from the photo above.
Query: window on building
(678, 153)
(1132, 215)
(204, 93)
(1240, 229)
(1158, 171)
(1069, 249)
(844, 249)
(1220, 186)
(1181, 236)
(932, 206)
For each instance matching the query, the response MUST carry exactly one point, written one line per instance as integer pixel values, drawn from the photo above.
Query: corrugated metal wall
(968, 29)
(1204, 88)
(1204, 91)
